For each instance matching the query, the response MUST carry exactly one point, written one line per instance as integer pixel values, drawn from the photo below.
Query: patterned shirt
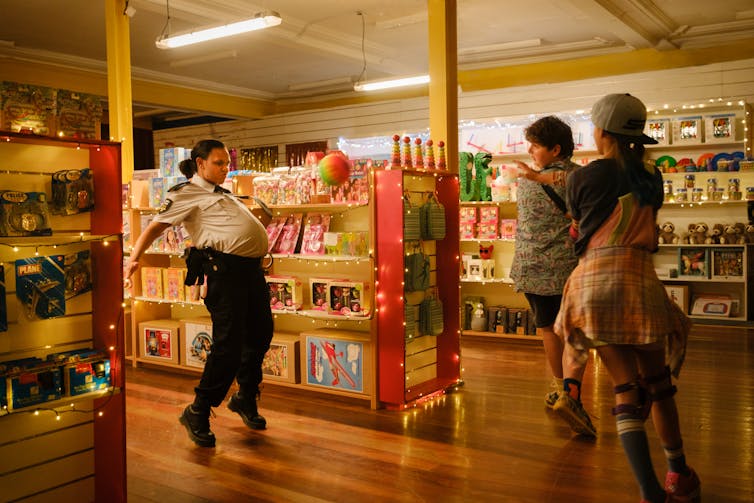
(543, 257)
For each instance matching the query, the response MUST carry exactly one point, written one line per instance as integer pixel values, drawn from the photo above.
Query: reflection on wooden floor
(490, 441)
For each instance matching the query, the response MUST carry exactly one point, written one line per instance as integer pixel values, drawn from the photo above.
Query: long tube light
(258, 22)
(391, 83)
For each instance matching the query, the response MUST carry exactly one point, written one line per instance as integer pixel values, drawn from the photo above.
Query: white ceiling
(318, 47)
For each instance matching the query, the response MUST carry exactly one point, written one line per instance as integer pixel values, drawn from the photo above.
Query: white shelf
(706, 204)
(481, 240)
(721, 279)
(688, 245)
(485, 203)
(165, 301)
(321, 315)
(65, 402)
(322, 258)
(506, 281)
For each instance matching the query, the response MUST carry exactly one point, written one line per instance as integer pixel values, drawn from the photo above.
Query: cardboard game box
(281, 362)
(159, 340)
(40, 286)
(196, 341)
(336, 359)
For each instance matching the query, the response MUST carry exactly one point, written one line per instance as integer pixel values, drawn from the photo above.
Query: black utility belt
(201, 261)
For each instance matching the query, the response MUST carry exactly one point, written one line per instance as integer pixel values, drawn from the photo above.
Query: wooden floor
(490, 441)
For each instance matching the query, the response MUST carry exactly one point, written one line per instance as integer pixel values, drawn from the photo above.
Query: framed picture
(693, 261)
(659, 129)
(687, 130)
(679, 294)
(719, 128)
(727, 263)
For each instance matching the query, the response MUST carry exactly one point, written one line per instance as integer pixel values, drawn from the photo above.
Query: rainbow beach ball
(334, 169)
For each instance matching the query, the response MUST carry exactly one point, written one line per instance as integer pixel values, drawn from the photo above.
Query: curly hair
(550, 131)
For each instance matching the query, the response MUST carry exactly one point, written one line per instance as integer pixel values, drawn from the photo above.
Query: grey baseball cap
(622, 114)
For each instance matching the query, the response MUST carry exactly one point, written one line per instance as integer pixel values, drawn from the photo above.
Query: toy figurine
(441, 155)
(395, 159)
(430, 155)
(407, 153)
(418, 155)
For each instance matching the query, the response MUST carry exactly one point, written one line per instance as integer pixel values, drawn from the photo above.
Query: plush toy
(749, 233)
(667, 234)
(485, 252)
(715, 234)
(698, 233)
(733, 234)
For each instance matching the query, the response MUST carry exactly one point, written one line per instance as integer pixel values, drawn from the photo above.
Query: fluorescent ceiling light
(259, 21)
(388, 84)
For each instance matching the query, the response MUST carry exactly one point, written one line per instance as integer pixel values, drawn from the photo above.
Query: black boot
(197, 426)
(247, 408)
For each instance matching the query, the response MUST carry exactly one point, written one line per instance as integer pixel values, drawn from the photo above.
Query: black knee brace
(659, 386)
(635, 411)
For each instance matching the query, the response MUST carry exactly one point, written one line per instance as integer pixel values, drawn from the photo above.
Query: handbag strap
(555, 198)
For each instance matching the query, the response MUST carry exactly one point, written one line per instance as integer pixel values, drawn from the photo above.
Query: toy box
(680, 295)
(24, 214)
(40, 286)
(508, 228)
(72, 191)
(172, 281)
(517, 321)
(722, 306)
(34, 384)
(336, 359)
(313, 239)
(285, 293)
(78, 115)
(84, 370)
(156, 191)
(78, 273)
(354, 244)
(196, 341)
(170, 158)
(281, 362)
(318, 292)
(28, 109)
(349, 298)
(151, 283)
(660, 130)
(288, 242)
(159, 340)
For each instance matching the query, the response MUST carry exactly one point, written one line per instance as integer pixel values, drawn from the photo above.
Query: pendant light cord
(363, 50)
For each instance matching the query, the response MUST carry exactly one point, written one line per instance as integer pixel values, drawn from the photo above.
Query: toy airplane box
(84, 370)
(35, 384)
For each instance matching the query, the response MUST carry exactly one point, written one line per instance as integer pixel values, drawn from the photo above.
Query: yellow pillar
(119, 82)
(443, 74)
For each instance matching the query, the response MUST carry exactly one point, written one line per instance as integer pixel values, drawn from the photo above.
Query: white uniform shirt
(214, 219)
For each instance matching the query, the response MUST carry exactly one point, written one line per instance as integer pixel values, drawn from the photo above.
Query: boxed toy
(659, 129)
(508, 228)
(196, 341)
(156, 191)
(313, 240)
(318, 292)
(151, 283)
(78, 273)
(687, 129)
(679, 294)
(159, 340)
(79, 115)
(285, 293)
(281, 362)
(24, 214)
(517, 321)
(288, 241)
(170, 158)
(40, 286)
(35, 383)
(72, 191)
(28, 109)
(719, 128)
(172, 282)
(274, 228)
(336, 359)
(84, 370)
(349, 298)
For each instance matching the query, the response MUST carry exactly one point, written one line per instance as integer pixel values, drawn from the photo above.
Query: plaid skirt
(613, 296)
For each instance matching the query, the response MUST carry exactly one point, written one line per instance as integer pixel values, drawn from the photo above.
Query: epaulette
(221, 189)
(175, 188)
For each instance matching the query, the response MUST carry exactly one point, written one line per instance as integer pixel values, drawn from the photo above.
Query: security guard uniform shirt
(214, 219)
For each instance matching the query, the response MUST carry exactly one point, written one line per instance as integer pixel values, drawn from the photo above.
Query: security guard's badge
(166, 204)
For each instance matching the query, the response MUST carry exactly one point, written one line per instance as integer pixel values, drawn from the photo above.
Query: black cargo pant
(238, 301)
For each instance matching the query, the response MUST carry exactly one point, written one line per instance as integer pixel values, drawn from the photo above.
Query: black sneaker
(197, 426)
(248, 412)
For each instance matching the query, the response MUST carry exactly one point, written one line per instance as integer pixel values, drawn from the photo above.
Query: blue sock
(633, 437)
(676, 460)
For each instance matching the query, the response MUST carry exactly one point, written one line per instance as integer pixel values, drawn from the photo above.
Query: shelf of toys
(323, 278)
(61, 314)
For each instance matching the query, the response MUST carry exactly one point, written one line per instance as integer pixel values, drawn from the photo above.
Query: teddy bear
(697, 233)
(749, 233)
(667, 234)
(715, 234)
(733, 234)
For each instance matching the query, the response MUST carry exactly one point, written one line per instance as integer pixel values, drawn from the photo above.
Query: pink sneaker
(683, 489)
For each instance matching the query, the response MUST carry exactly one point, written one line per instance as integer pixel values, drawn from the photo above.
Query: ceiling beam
(609, 14)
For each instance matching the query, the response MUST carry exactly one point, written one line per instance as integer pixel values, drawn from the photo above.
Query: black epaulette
(221, 189)
(175, 188)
